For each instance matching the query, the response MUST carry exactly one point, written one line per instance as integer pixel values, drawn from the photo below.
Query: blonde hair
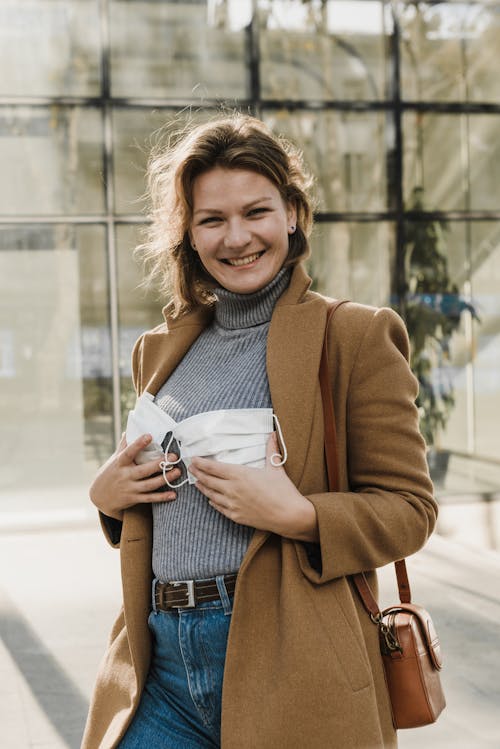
(235, 142)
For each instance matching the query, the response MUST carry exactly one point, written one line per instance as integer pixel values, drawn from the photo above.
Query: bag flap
(427, 629)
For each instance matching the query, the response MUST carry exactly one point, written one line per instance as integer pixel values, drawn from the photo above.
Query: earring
(291, 229)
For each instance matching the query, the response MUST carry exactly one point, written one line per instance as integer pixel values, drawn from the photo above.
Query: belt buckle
(191, 602)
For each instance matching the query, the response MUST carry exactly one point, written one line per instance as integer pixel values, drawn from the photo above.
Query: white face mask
(237, 435)
(148, 418)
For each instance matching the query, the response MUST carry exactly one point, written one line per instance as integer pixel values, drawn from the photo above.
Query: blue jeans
(180, 707)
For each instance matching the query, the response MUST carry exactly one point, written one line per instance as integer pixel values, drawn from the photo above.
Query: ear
(191, 240)
(291, 217)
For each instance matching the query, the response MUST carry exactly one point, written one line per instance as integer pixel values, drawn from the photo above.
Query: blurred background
(397, 109)
(396, 106)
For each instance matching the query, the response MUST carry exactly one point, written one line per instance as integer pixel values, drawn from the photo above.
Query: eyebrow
(245, 207)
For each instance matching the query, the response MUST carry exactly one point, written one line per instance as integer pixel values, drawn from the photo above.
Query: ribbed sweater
(224, 368)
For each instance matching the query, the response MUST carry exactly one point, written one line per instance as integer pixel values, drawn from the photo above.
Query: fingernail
(171, 457)
(146, 439)
(171, 495)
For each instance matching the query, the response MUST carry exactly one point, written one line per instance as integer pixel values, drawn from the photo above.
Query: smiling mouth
(236, 262)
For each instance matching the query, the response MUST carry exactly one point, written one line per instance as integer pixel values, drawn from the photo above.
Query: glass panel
(353, 260)
(138, 309)
(135, 132)
(484, 161)
(482, 41)
(323, 51)
(55, 364)
(454, 158)
(453, 318)
(438, 321)
(435, 159)
(446, 51)
(51, 160)
(346, 152)
(49, 48)
(485, 282)
(183, 49)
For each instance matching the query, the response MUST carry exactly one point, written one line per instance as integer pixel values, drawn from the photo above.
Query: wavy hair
(234, 142)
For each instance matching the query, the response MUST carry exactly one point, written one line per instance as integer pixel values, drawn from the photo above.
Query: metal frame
(393, 105)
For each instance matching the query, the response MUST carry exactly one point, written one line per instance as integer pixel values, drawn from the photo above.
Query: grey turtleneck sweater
(224, 368)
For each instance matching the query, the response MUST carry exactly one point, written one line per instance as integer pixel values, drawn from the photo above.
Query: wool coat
(303, 666)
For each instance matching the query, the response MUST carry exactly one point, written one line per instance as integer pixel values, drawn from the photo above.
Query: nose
(237, 235)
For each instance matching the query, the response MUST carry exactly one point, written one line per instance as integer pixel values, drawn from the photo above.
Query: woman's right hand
(120, 483)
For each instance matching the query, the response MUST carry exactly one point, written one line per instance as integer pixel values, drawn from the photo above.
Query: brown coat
(303, 667)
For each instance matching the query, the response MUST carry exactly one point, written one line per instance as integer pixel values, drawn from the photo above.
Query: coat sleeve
(112, 528)
(389, 511)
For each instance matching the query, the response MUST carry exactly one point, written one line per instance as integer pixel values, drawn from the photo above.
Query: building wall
(387, 101)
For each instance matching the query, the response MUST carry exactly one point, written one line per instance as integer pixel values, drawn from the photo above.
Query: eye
(257, 211)
(210, 220)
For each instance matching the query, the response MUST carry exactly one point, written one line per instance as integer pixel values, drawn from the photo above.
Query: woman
(298, 654)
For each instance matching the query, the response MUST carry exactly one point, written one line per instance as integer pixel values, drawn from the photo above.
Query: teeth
(243, 260)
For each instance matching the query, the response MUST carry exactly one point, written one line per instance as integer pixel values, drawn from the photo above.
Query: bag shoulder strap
(331, 455)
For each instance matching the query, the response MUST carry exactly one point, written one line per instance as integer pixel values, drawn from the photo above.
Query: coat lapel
(293, 356)
(294, 348)
(164, 348)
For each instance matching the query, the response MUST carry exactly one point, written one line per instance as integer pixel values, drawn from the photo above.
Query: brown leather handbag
(409, 644)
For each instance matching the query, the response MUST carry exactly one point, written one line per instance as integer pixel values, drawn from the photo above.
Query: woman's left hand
(263, 498)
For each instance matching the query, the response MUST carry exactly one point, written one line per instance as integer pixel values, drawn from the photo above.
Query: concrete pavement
(60, 590)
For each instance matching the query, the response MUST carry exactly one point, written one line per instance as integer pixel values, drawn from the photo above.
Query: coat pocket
(337, 615)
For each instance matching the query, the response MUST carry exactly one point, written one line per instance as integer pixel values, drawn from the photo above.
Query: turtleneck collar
(234, 311)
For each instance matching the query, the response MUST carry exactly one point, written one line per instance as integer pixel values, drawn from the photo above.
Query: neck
(234, 310)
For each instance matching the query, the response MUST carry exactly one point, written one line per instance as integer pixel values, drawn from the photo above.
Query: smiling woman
(240, 228)
(242, 559)
(240, 176)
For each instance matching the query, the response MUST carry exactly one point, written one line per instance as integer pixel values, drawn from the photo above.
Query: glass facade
(396, 106)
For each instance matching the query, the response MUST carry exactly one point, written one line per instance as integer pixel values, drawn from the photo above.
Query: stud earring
(291, 229)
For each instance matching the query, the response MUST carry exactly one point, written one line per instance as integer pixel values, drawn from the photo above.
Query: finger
(214, 483)
(156, 482)
(143, 470)
(123, 442)
(214, 468)
(219, 500)
(128, 455)
(166, 496)
(273, 453)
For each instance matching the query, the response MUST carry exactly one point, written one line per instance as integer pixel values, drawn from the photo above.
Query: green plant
(433, 309)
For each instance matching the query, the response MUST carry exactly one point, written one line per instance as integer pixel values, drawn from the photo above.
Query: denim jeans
(180, 707)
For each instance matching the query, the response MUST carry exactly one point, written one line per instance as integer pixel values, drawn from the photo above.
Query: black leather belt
(186, 594)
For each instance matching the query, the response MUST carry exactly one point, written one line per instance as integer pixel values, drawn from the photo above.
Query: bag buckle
(391, 641)
(191, 600)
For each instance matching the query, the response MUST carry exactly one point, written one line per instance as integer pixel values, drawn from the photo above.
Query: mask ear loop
(282, 458)
(166, 465)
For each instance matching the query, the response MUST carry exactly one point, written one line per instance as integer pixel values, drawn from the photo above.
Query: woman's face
(240, 228)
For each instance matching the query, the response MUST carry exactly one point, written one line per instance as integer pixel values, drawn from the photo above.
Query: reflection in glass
(179, 49)
(323, 50)
(353, 260)
(485, 287)
(135, 133)
(438, 312)
(49, 48)
(55, 362)
(435, 159)
(447, 50)
(484, 155)
(346, 152)
(51, 160)
(454, 158)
